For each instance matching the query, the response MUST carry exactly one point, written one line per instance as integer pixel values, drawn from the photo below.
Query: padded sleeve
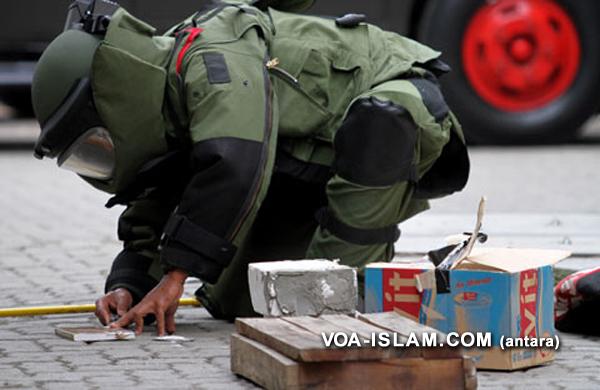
(232, 131)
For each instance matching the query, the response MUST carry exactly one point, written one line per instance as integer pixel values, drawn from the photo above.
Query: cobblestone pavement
(56, 244)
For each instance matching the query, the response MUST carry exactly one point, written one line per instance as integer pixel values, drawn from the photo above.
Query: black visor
(91, 155)
(76, 115)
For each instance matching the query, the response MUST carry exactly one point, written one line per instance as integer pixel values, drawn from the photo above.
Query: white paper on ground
(173, 338)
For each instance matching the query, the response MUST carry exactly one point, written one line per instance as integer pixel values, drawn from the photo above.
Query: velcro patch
(216, 67)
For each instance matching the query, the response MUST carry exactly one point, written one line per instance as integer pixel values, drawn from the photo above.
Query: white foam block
(302, 287)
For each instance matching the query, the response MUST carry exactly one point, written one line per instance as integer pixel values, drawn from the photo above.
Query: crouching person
(245, 133)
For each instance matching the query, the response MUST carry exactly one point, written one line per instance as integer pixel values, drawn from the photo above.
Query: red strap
(193, 34)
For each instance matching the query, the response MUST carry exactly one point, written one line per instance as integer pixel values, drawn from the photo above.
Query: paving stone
(43, 367)
(62, 376)
(19, 346)
(12, 374)
(110, 382)
(68, 386)
(21, 384)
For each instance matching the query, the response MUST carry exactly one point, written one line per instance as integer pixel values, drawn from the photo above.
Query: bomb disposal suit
(246, 133)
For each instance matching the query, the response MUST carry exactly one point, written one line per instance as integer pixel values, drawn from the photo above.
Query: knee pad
(375, 145)
(432, 98)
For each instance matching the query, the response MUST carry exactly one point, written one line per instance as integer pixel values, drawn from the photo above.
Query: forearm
(217, 207)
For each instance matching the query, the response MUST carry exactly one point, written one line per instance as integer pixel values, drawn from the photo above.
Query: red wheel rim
(520, 55)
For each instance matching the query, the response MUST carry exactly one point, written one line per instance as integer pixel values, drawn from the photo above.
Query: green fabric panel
(368, 207)
(228, 26)
(392, 55)
(236, 109)
(138, 39)
(327, 246)
(133, 115)
(330, 64)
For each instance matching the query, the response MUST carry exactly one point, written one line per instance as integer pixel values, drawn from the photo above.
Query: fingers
(139, 324)
(160, 301)
(170, 322)
(170, 317)
(102, 311)
(160, 322)
(133, 316)
(124, 321)
(122, 308)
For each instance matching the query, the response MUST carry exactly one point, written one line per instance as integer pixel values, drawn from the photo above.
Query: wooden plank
(297, 343)
(321, 326)
(288, 339)
(262, 365)
(470, 373)
(413, 373)
(301, 338)
(346, 323)
(394, 322)
(272, 370)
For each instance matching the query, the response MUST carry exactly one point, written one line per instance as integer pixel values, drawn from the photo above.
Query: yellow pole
(68, 309)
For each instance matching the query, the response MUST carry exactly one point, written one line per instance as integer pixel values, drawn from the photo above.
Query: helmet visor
(91, 155)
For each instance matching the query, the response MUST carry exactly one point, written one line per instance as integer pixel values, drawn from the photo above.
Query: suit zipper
(273, 67)
(256, 186)
(287, 77)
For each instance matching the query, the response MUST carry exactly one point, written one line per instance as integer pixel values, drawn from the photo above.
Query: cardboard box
(508, 292)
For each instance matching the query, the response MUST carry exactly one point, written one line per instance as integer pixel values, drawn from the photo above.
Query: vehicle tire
(524, 71)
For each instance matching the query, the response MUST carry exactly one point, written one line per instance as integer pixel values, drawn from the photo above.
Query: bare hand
(117, 301)
(162, 301)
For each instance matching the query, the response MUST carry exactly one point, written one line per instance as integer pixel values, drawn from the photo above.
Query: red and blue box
(507, 292)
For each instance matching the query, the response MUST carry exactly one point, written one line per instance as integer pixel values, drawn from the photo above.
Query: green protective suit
(253, 122)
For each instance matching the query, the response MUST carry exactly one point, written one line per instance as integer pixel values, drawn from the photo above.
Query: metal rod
(68, 309)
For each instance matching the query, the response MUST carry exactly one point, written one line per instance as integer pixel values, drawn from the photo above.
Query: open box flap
(402, 265)
(512, 259)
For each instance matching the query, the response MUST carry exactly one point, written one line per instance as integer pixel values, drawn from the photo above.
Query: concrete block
(302, 287)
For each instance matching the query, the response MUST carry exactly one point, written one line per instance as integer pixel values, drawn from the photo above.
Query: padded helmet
(62, 97)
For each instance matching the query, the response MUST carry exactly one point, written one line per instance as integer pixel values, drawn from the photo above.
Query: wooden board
(393, 322)
(301, 339)
(272, 370)
(298, 343)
